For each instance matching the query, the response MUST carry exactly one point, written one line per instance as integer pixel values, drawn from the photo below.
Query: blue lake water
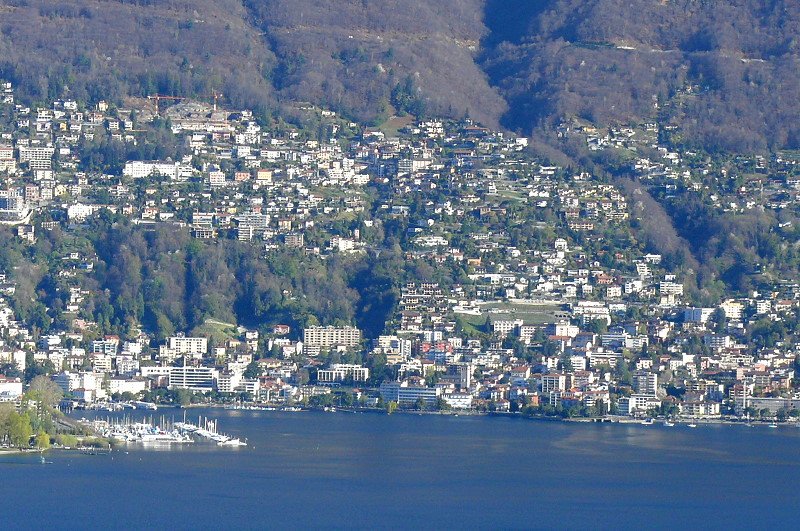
(350, 470)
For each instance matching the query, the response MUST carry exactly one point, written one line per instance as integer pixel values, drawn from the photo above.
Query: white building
(193, 347)
(645, 383)
(79, 211)
(13, 207)
(697, 315)
(126, 385)
(342, 371)
(328, 336)
(127, 365)
(104, 346)
(228, 381)
(716, 341)
(394, 345)
(192, 378)
(137, 169)
(81, 384)
(458, 400)
(36, 153)
(503, 327)
(408, 396)
(102, 363)
(563, 329)
(670, 288)
(216, 179)
(553, 382)
(10, 389)
(733, 309)
(637, 403)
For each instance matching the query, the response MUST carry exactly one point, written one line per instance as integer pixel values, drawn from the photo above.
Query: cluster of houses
(734, 185)
(541, 317)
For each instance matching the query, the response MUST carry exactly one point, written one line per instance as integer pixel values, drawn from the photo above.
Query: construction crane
(158, 97)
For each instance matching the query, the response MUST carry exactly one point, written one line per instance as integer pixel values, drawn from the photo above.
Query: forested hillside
(724, 73)
(167, 281)
(366, 60)
(359, 57)
(93, 50)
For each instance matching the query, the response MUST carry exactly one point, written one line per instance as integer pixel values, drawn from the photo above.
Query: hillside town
(556, 308)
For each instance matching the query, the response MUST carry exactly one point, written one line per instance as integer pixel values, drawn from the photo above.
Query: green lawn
(391, 126)
(217, 330)
(530, 314)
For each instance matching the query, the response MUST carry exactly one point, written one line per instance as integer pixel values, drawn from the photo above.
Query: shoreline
(611, 419)
(20, 451)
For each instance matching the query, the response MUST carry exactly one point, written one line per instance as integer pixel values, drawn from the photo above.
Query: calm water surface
(349, 470)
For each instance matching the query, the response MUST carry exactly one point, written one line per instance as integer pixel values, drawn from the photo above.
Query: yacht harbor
(147, 431)
(207, 429)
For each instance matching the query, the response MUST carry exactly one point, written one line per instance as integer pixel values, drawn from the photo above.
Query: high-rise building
(329, 336)
(645, 383)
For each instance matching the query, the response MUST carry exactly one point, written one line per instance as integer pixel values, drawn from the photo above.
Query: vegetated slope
(725, 72)
(106, 49)
(360, 57)
(356, 57)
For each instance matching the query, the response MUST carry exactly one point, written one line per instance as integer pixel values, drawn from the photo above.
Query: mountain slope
(358, 57)
(108, 49)
(727, 74)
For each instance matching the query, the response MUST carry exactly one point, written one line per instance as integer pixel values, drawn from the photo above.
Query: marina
(145, 432)
(207, 429)
(164, 432)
